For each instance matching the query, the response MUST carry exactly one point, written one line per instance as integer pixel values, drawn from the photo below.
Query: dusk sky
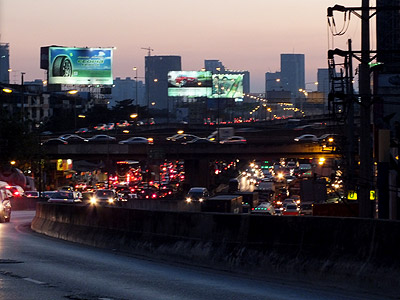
(246, 35)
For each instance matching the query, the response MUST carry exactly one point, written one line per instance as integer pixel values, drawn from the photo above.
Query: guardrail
(352, 251)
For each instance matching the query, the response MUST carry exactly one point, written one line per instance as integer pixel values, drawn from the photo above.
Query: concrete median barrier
(351, 251)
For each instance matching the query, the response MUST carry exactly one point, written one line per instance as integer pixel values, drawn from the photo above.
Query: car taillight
(16, 193)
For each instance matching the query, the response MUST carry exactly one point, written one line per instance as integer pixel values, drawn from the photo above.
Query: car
(184, 80)
(66, 188)
(32, 194)
(110, 126)
(306, 209)
(306, 138)
(197, 194)
(135, 140)
(291, 164)
(55, 141)
(330, 140)
(235, 139)
(15, 190)
(99, 138)
(290, 178)
(65, 136)
(100, 126)
(148, 193)
(200, 140)
(264, 208)
(288, 201)
(5, 206)
(82, 130)
(303, 127)
(65, 197)
(291, 210)
(48, 194)
(123, 123)
(86, 196)
(184, 137)
(75, 139)
(296, 198)
(105, 197)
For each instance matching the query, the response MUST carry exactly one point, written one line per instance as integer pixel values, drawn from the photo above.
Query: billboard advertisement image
(189, 83)
(80, 65)
(227, 86)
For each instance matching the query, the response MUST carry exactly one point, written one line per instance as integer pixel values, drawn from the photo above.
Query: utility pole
(366, 161)
(350, 119)
(147, 79)
(22, 95)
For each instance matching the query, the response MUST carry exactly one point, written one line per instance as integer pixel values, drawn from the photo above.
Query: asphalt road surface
(33, 266)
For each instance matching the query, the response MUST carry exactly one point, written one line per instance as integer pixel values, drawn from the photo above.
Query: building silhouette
(156, 76)
(213, 64)
(4, 63)
(126, 89)
(293, 73)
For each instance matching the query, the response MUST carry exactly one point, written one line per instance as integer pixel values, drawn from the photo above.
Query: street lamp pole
(136, 88)
(218, 89)
(22, 95)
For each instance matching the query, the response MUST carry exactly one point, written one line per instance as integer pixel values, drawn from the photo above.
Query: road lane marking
(33, 280)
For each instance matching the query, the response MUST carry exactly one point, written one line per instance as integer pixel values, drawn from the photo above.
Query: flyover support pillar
(197, 173)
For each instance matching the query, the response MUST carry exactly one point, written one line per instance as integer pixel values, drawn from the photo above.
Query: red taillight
(16, 193)
(252, 208)
(154, 196)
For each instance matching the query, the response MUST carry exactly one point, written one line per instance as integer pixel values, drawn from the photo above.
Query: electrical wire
(345, 27)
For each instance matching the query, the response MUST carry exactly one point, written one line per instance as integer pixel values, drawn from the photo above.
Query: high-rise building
(293, 73)
(273, 82)
(4, 63)
(157, 68)
(388, 32)
(323, 81)
(213, 64)
(126, 89)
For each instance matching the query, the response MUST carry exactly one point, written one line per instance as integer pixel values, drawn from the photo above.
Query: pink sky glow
(246, 35)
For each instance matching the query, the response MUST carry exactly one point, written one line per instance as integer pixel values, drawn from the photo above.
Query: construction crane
(148, 49)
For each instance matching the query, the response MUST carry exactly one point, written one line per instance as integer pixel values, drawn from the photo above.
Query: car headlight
(93, 200)
(111, 200)
(188, 199)
(201, 199)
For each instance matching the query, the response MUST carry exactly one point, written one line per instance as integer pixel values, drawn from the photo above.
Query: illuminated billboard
(189, 83)
(227, 86)
(80, 65)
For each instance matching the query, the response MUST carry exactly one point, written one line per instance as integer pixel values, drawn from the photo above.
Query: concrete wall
(25, 203)
(348, 250)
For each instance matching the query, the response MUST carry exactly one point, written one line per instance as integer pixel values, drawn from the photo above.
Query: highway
(33, 267)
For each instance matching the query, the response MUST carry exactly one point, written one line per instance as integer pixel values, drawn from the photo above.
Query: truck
(313, 191)
(222, 133)
(266, 190)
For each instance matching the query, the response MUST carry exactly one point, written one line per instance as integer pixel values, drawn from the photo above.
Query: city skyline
(248, 36)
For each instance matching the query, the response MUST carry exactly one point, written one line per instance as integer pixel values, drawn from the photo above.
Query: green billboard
(80, 65)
